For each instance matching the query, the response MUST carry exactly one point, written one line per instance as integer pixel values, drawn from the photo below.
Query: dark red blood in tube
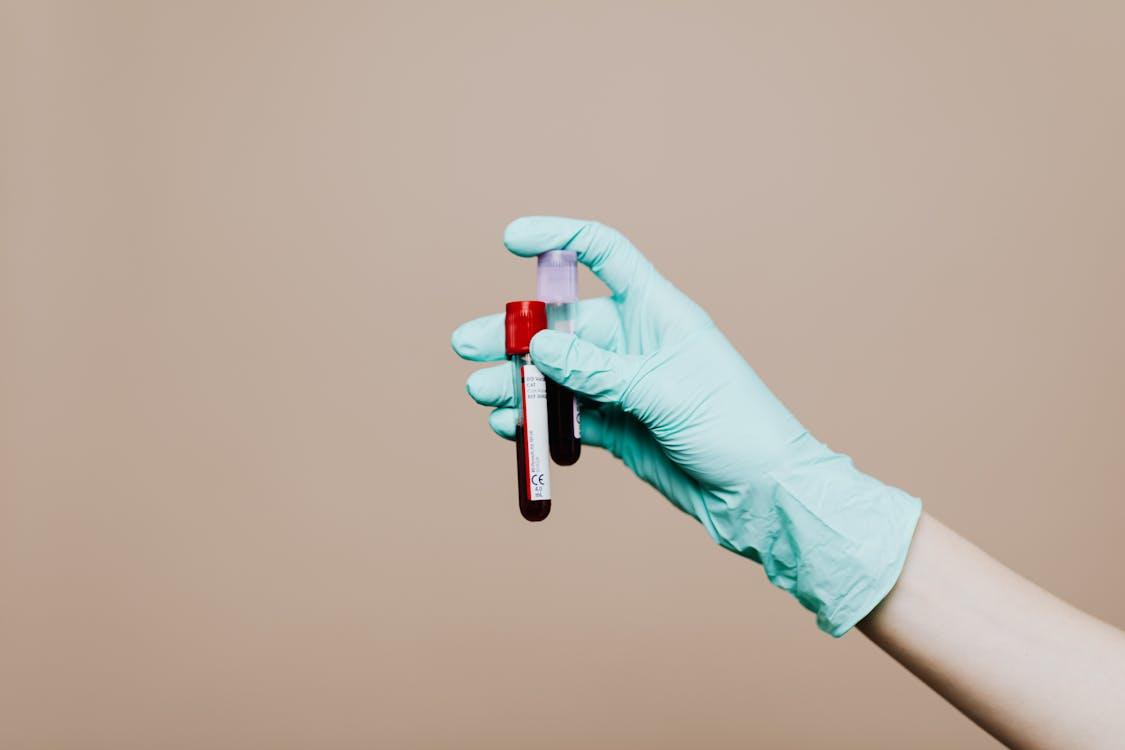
(565, 446)
(532, 510)
(522, 320)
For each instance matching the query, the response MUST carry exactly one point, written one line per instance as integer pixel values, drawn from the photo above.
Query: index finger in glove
(607, 252)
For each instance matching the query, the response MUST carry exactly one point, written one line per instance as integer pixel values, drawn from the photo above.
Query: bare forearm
(1027, 667)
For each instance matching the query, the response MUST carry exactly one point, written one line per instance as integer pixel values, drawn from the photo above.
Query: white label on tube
(577, 419)
(535, 433)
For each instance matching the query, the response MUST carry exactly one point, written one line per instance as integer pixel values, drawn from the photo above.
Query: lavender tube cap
(557, 280)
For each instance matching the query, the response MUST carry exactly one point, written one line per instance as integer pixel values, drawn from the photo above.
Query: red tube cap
(522, 320)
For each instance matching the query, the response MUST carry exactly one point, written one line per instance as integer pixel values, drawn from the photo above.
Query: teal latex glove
(683, 410)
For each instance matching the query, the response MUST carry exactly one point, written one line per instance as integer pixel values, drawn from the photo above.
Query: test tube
(522, 320)
(557, 286)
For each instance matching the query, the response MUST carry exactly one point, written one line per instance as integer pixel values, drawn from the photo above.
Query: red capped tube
(522, 320)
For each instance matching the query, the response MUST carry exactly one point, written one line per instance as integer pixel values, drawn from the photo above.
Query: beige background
(244, 500)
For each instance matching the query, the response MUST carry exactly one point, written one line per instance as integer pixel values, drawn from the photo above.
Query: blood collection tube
(522, 320)
(557, 285)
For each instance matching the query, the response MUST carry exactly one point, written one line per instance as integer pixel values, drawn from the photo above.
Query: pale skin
(1031, 670)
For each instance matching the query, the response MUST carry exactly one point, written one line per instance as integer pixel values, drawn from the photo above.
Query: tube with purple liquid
(558, 287)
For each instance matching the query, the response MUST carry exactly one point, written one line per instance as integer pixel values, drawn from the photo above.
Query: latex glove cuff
(833, 537)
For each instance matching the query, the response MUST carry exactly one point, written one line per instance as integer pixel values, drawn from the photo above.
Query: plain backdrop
(245, 501)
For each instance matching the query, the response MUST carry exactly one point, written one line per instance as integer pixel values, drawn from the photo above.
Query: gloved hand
(682, 409)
